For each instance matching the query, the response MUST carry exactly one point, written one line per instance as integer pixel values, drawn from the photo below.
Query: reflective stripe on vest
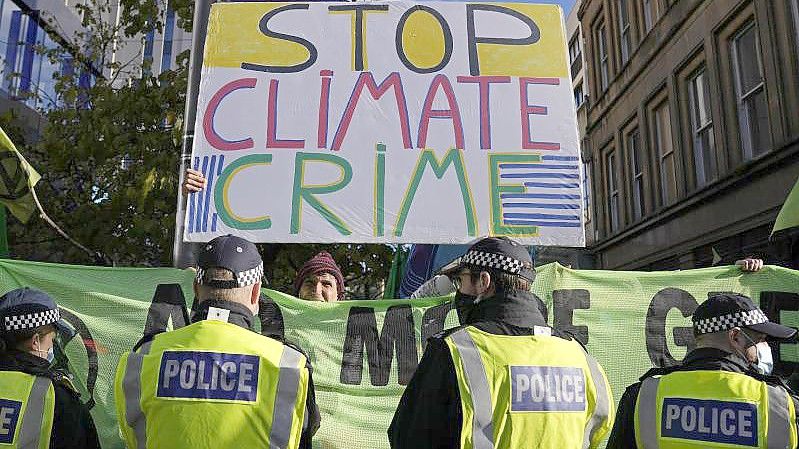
(287, 389)
(647, 412)
(602, 409)
(779, 417)
(132, 388)
(482, 424)
(31, 431)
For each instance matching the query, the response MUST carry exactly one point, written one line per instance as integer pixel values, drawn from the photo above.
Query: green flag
(789, 214)
(17, 179)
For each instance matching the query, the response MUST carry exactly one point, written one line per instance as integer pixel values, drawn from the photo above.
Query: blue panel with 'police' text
(547, 389)
(208, 375)
(9, 415)
(707, 420)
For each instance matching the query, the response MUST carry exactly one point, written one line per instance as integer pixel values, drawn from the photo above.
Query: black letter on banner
(359, 9)
(433, 321)
(473, 40)
(362, 331)
(773, 303)
(91, 352)
(264, 27)
(444, 29)
(271, 318)
(168, 301)
(564, 302)
(662, 303)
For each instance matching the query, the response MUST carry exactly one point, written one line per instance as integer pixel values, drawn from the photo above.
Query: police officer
(216, 383)
(503, 378)
(723, 393)
(39, 406)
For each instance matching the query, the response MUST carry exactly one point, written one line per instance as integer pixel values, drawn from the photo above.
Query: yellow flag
(17, 179)
(789, 214)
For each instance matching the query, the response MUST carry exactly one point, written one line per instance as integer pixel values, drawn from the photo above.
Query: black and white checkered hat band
(243, 278)
(491, 260)
(729, 321)
(31, 320)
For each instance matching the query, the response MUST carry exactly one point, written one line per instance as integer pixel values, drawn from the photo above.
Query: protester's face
(322, 287)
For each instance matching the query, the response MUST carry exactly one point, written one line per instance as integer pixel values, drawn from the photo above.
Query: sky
(565, 4)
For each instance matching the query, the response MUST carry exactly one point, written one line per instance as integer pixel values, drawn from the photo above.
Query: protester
(320, 279)
(722, 394)
(39, 406)
(216, 383)
(479, 382)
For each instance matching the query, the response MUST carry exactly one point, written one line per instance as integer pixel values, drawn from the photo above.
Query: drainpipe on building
(185, 254)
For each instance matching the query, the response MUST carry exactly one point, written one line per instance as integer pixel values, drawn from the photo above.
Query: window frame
(660, 157)
(612, 191)
(698, 151)
(625, 31)
(742, 98)
(633, 148)
(603, 56)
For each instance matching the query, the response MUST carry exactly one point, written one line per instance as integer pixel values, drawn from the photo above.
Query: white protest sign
(397, 122)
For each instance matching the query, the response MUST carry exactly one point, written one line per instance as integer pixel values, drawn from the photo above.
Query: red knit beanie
(320, 264)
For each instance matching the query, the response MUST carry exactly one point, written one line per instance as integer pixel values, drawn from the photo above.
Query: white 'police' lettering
(208, 375)
(547, 388)
(708, 420)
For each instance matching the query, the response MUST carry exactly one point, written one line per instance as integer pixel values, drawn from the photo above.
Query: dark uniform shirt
(242, 316)
(703, 359)
(429, 412)
(73, 427)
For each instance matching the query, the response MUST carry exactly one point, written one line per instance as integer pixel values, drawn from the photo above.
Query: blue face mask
(50, 355)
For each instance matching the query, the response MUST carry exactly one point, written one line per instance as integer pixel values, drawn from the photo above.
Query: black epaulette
(660, 371)
(446, 332)
(145, 339)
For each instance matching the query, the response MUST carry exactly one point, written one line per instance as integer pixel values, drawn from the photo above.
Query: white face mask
(765, 360)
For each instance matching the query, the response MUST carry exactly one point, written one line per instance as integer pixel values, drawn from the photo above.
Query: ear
(255, 294)
(485, 280)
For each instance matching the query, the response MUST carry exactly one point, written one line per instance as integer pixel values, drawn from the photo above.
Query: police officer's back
(39, 407)
(723, 393)
(503, 379)
(216, 383)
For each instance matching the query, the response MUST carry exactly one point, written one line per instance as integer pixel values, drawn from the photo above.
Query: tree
(109, 153)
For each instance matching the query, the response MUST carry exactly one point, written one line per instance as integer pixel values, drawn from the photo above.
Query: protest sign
(365, 352)
(435, 122)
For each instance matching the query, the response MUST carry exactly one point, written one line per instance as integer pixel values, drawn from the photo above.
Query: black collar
(716, 359)
(15, 360)
(520, 309)
(240, 315)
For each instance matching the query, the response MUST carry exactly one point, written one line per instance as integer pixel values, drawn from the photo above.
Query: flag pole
(184, 254)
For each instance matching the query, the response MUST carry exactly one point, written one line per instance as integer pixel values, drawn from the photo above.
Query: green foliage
(109, 155)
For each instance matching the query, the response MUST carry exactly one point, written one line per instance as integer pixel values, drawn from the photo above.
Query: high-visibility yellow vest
(535, 391)
(713, 409)
(211, 385)
(27, 404)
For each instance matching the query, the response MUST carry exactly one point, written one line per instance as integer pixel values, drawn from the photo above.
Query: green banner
(364, 352)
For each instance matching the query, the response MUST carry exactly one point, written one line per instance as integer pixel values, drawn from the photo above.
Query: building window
(613, 190)
(750, 91)
(574, 48)
(664, 149)
(169, 34)
(624, 30)
(147, 60)
(636, 157)
(578, 95)
(651, 13)
(602, 55)
(587, 191)
(702, 128)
